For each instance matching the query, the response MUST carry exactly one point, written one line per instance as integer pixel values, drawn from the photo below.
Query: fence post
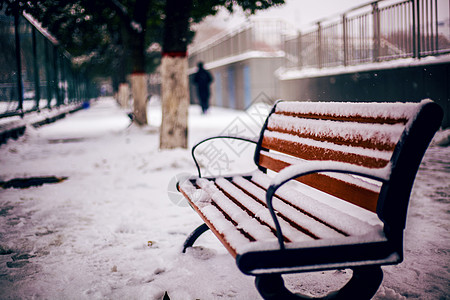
(344, 39)
(376, 31)
(319, 45)
(62, 80)
(37, 88)
(417, 37)
(299, 50)
(436, 24)
(56, 76)
(18, 62)
(48, 75)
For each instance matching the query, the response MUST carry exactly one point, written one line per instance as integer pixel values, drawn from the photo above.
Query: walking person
(203, 79)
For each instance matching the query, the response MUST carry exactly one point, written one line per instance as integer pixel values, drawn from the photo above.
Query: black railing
(378, 31)
(265, 35)
(35, 71)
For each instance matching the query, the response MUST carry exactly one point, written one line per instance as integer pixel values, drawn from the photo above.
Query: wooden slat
(356, 118)
(263, 227)
(309, 152)
(346, 191)
(211, 226)
(259, 210)
(302, 220)
(282, 216)
(304, 212)
(359, 141)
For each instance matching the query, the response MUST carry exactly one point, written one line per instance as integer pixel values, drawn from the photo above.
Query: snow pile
(112, 231)
(442, 138)
(394, 110)
(326, 128)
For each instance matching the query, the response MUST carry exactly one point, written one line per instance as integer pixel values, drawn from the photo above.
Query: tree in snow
(136, 17)
(179, 15)
(106, 38)
(112, 36)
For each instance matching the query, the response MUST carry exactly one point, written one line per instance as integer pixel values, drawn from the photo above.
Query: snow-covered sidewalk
(114, 228)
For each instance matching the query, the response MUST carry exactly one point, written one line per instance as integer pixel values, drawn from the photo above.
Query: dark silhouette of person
(203, 79)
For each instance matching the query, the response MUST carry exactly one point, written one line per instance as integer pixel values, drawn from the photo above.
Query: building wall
(237, 84)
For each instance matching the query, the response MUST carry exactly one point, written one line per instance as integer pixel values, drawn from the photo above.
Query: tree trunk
(139, 91)
(123, 95)
(139, 78)
(136, 41)
(174, 85)
(175, 103)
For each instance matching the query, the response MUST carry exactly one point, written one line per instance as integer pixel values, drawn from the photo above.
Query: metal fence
(266, 35)
(35, 72)
(378, 31)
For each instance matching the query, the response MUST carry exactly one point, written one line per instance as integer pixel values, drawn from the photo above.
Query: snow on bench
(338, 197)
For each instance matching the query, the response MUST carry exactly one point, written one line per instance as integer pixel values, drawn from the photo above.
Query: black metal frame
(261, 135)
(194, 236)
(212, 138)
(363, 285)
(364, 259)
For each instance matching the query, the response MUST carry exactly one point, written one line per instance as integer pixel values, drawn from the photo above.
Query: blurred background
(347, 50)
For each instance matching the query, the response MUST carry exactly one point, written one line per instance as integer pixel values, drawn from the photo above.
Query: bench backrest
(373, 135)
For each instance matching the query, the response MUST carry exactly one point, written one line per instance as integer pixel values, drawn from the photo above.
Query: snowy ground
(112, 230)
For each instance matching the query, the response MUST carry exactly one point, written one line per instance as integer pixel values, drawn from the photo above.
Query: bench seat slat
(236, 229)
(260, 211)
(225, 230)
(252, 226)
(349, 191)
(318, 229)
(334, 217)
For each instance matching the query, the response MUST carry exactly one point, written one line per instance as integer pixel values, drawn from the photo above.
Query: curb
(16, 128)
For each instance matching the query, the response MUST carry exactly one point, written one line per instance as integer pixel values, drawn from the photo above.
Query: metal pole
(418, 31)
(427, 27)
(19, 63)
(414, 27)
(344, 38)
(436, 26)
(56, 76)
(37, 88)
(299, 50)
(63, 79)
(319, 45)
(48, 74)
(376, 31)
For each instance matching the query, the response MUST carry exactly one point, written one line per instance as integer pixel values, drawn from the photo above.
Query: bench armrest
(245, 139)
(298, 170)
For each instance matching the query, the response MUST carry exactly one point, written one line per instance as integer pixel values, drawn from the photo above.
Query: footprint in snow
(201, 252)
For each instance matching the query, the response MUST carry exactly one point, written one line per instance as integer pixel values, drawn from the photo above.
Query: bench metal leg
(363, 285)
(194, 236)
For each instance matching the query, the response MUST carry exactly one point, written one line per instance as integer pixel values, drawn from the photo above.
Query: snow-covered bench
(364, 153)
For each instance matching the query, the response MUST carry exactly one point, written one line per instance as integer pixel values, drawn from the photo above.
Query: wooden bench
(364, 153)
